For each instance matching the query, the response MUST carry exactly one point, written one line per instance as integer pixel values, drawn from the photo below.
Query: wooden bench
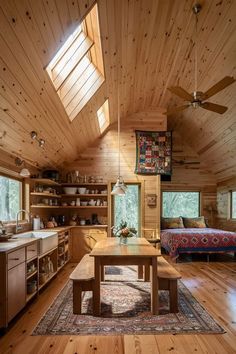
(83, 280)
(168, 280)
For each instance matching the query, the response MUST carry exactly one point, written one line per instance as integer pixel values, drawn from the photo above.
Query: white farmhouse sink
(47, 240)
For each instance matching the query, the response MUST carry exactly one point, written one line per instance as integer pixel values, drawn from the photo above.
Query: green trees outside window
(127, 207)
(10, 198)
(176, 204)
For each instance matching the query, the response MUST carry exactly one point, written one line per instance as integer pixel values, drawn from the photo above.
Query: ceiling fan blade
(176, 109)
(221, 85)
(179, 91)
(214, 107)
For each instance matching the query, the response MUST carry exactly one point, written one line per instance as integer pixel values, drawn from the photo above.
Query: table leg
(146, 273)
(140, 271)
(154, 287)
(97, 284)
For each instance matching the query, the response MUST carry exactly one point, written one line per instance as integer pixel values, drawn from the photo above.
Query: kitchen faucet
(19, 227)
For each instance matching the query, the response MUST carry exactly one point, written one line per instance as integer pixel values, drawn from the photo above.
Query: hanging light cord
(196, 10)
(118, 110)
(196, 52)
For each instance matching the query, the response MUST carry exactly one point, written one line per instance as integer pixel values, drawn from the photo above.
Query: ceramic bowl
(82, 190)
(70, 190)
(83, 203)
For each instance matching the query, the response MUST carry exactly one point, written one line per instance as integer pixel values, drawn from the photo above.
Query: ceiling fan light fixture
(197, 98)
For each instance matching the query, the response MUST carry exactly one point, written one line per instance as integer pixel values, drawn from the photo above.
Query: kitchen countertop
(12, 244)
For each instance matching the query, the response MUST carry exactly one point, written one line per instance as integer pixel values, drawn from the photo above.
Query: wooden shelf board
(47, 253)
(45, 181)
(84, 184)
(29, 296)
(31, 259)
(68, 207)
(48, 279)
(29, 275)
(84, 195)
(50, 195)
(84, 207)
(92, 226)
(46, 206)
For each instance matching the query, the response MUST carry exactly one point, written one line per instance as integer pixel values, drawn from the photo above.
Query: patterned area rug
(125, 310)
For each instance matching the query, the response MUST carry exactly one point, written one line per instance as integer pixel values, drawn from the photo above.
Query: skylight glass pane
(103, 116)
(65, 46)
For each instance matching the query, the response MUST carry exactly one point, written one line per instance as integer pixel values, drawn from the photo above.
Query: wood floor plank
(213, 284)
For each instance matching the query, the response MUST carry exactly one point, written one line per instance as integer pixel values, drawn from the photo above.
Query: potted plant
(123, 231)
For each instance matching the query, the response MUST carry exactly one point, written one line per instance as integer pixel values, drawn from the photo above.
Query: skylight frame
(75, 92)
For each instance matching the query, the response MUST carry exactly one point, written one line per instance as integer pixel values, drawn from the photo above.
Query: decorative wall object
(152, 200)
(153, 152)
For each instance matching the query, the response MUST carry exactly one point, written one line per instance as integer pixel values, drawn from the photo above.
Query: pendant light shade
(25, 172)
(120, 187)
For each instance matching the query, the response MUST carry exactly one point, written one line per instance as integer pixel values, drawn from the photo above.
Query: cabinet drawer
(15, 258)
(32, 251)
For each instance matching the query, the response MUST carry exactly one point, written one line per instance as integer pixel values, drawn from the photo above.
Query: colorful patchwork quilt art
(153, 152)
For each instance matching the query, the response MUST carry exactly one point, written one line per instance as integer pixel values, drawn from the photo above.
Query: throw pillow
(195, 222)
(172, 223)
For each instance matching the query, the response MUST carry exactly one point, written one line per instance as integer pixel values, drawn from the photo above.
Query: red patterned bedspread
(206, 240)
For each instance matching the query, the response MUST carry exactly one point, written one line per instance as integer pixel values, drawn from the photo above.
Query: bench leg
(173, 291)
(77, 293)
(102, 273)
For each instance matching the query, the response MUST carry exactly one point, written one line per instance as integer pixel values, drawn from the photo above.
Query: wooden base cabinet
(16, 290)
(83, 241)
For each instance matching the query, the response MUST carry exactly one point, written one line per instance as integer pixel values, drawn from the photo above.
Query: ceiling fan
(198, 98)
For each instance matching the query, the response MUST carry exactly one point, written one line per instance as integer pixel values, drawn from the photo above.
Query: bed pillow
(172, 223)
(197, 223)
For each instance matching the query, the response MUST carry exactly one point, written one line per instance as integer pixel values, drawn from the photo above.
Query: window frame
(22, 195)
(231, 204)
(183, 191)
(140, 206)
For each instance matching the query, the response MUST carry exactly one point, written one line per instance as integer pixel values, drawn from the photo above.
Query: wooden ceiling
(147, 46)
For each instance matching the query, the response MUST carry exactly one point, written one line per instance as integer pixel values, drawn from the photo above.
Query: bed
(197, 240)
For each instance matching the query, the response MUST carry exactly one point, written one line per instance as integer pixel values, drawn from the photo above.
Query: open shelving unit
(58, 202)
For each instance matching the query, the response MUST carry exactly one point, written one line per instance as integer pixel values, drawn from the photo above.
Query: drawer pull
(14, 259)
(32, 250)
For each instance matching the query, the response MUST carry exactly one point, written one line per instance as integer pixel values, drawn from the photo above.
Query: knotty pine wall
(102, 159)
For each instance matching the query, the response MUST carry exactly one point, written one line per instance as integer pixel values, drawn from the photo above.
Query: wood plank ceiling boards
(147, 46)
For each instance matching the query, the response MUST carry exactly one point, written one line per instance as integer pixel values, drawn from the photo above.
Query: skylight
(103, 116)
(77, 70)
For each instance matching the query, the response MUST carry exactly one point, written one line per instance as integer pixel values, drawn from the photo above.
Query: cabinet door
(16, 290)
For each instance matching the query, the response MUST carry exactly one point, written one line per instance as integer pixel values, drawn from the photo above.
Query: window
(185, 204)
(127, 207)
(103, 116)
(10, 198)
(233, 204)
(76, 71)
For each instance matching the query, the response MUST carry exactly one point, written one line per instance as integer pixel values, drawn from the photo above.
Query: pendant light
(24, 171)
(120, 187)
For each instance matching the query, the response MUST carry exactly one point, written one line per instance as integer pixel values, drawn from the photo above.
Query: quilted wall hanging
(153, 152)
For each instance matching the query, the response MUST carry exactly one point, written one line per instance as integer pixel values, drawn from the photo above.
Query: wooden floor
(213, 284)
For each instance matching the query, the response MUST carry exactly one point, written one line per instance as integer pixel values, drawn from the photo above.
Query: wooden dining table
(137, 251)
